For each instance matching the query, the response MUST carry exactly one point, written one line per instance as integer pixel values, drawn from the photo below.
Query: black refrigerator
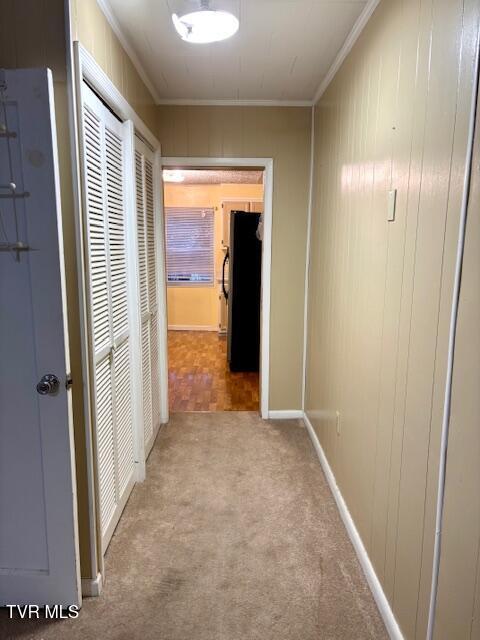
(244, 288)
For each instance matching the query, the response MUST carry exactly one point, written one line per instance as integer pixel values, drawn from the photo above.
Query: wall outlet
(337, 422)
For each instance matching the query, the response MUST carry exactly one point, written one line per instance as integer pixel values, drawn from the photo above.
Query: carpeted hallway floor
(233, 536)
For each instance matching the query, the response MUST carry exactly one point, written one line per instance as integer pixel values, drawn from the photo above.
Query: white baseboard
(92, 587)
(191, 327)
(285, 414)
(374, 583)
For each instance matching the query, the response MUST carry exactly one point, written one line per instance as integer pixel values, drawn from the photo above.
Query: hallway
(233, 536)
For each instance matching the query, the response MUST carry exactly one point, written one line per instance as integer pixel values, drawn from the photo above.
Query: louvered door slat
(123, 416)
(154, 364)
(104, 164)
(144, 301)
(96, 230)
(142, 254)
(105, 440)
(116, 232)
(148, 289)
(147, 381)
(150, 236)
(152, 292)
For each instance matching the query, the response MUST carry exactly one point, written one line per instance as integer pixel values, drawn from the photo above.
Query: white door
(148, 257)
(105, 167)
(38, 530)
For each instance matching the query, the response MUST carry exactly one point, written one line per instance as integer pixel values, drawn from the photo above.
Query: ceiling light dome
(205, 25)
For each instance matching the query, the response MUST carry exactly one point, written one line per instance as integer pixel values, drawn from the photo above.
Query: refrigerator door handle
(225, 292)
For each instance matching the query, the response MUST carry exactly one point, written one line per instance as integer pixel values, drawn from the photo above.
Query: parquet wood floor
(199, 378)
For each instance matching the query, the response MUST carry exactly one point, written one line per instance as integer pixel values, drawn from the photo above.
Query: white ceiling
(282, 51)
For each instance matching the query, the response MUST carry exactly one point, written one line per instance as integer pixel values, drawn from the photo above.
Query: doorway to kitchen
(217, 240)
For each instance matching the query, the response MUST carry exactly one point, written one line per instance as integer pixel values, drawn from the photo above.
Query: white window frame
(192, 283)
(267, 165)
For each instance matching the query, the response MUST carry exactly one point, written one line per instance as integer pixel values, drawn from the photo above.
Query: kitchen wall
(199, 306)
(395, 117)
(281, 133)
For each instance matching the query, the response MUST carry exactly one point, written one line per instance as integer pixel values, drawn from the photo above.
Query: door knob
(48, 384)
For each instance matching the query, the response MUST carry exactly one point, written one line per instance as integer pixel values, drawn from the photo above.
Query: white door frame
(267, 165)
(85, 68)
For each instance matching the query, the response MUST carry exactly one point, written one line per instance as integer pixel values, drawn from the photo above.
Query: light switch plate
(392, 202)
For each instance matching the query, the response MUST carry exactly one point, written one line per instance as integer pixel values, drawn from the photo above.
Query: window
(190, 248)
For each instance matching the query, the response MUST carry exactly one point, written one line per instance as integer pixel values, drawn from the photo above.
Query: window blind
(190, 245)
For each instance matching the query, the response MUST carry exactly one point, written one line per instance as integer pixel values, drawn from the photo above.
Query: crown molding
(113, 22)
(236, 103)
(350, 40)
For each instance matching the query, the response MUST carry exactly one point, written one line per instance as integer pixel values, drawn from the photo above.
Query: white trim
(161, 287)
(266, 286)
(74, 108)
(347, 46)
(376, 588)
(113, 22)
(307, 257)
(267, 164)
(210, 161)
(233, 103)
(133, 289)
(90, 71)
(285, 414)
(92, 587)
(192, 327)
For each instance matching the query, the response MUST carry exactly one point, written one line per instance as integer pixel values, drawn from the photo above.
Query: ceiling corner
(113, 22)
(347, 46)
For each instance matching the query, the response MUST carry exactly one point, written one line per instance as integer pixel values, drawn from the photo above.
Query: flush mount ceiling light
(170, 175)
(205, 25)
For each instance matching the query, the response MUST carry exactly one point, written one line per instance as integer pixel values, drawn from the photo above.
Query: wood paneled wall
(92, 29)
(281, 133)
(395, 117)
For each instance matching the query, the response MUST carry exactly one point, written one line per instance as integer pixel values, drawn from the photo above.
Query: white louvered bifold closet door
(147, 250)
(104, 165)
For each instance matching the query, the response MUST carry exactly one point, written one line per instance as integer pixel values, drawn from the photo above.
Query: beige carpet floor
(233, 536)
